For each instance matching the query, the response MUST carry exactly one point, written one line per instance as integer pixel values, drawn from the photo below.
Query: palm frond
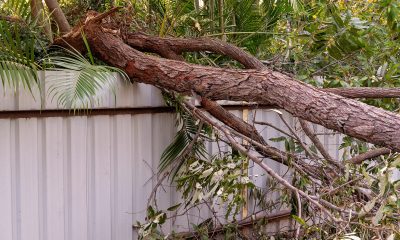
(179, 148)
(18, 8)
(17, 56)
(81, 83)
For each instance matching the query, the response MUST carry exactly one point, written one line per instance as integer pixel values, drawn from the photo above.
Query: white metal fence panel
(79, 177)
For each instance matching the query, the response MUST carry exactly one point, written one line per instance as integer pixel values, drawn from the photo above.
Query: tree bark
(170, 48)
(365, 92)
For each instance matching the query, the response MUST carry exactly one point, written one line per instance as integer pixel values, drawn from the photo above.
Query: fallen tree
(264, 86)
(335, 109)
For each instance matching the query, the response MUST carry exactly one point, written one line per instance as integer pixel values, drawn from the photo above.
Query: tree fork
(173, 50)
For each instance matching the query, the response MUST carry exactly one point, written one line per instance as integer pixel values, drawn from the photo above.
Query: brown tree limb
(171, 50)
(365, 92)
(144, 42)
(348, 116)
(177, 46)
(368, 155)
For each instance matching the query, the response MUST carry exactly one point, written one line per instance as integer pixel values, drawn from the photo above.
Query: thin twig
(317, 143)
(297, 137)
(298, 214)
(274, 127)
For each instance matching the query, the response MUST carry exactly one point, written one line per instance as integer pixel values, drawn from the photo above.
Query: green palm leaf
(17, 61)
(19, 8)
(81, 83)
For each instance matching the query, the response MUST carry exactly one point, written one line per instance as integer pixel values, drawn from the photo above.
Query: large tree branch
(348, 116)
(237, 124)
(176, 46)
(167, 50)
(172, 48)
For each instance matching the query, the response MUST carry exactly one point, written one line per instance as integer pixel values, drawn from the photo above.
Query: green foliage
(18, 8)
(81, 81)
(21, 45)
(24, 51)
(17, 56)
(184, 146)
(222, 180)
(149, 229)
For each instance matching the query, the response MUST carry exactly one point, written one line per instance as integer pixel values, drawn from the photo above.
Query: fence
(89, 175)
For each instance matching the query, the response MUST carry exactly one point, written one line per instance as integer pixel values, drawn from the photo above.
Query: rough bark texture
(165, 46)
(365, 92)
(267, 87)
(172, 48)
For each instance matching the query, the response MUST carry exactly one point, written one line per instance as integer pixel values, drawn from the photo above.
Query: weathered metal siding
(79, 177)
(89, 177)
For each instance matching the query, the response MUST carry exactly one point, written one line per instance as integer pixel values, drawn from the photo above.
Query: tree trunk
(58, 15)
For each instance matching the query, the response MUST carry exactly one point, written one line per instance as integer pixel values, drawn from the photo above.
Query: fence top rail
(124, 98)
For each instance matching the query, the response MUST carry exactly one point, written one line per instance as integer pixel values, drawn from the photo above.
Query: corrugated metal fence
(89, 177)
